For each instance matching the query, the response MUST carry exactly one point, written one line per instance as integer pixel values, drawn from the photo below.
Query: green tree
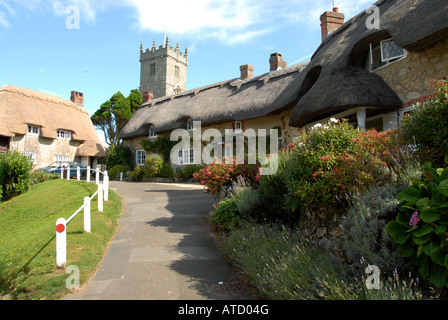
(115, 113)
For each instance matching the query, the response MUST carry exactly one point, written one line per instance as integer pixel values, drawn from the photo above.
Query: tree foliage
(115, 113)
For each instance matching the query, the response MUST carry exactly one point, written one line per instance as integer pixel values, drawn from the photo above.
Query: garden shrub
(364, 234)
(115, 171)
(188, 171)
(272, 192)
(426, 127)
(152, 166)
(119, 155)
(282, 265)
(15, 174)
(219, 174)
(226, 216)
(166, 171)
(138, 173)
(336, 161)
(39, 177)
(420, 228)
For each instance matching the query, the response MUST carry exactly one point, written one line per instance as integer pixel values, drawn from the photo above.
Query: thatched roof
(21, 107)
(336, 78)
(236, 99)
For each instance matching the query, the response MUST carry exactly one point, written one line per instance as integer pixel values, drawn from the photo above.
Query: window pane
(180, 157)
(390, 50)
(191, 156)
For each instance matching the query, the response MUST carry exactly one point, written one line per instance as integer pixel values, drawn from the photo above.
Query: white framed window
(238, 126)
(190, 126)
(152, 133)
(384, 53)
(31, 156)
(140, 157)
(186, 156)
(391, 51)
(59, 158)
(35, 130)
(64, 135)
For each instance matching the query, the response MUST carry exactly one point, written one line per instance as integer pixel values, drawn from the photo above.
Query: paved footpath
(162, 249)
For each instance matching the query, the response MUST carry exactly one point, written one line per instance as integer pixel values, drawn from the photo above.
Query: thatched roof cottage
(369, 70)
(47, 128)
(245, 102)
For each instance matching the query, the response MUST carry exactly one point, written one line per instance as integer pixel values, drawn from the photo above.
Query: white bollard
(61, 243)
(97, 176)
(87, 223)
(121, 176)
(100, 197)
(106, 186)
(78, 173)
(68, 173)
(88, 174)
(62, 173)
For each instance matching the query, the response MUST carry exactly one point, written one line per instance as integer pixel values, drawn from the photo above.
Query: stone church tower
(163, 70)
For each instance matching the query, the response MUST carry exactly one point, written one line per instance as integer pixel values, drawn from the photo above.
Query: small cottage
(47, 128)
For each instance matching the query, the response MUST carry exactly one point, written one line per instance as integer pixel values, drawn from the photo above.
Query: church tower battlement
(163, 70)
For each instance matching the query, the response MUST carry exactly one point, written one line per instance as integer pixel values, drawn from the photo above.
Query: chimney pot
(77, 98)
(148, 96)
(247, 71)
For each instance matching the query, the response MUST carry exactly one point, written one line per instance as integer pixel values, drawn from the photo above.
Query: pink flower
(414, 219)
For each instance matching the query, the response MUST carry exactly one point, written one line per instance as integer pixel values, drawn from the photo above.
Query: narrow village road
(162, 249)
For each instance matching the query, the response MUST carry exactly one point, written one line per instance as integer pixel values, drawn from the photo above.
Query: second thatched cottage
(47, 128)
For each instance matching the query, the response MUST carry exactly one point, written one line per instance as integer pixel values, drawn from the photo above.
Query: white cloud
(230, 21)
(4, 20)
(227, 20)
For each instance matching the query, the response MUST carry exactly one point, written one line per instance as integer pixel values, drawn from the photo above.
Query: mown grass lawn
(27, 238)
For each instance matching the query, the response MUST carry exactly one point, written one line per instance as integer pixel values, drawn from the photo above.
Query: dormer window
(152, 133)
(190, 126)
(384, 53)
(238, 126)
(64, 135)
(34, 130)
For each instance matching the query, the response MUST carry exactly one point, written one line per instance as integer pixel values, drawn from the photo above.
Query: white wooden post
(361, 117)
(62, 172)
(88, 174)
(68, 173)
(97, 176)
(100, 197)
(61, 243)
(106, 186)
(87, 223)
(78, 173)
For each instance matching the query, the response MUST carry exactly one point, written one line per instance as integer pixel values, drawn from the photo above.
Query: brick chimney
(148, 96)
(276, 61)
(77, 98)
(247, 71)
(330, 21)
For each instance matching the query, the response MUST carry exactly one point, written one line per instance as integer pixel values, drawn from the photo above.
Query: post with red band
(61, 243)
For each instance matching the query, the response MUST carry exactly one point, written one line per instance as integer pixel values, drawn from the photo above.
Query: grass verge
(27, 238)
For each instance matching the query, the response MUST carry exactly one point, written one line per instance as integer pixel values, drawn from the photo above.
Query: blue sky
(38, 51)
